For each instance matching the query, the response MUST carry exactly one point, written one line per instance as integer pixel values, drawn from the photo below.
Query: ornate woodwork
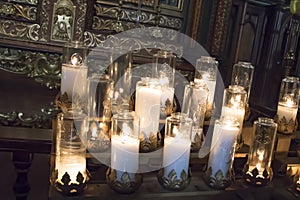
(33, 33)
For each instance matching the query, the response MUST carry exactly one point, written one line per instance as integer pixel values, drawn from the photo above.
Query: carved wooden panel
(33, 33)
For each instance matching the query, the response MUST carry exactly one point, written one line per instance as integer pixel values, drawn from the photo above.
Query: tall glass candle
(176, 153)
(164, 71)
(194, 105)
(122, 175)
(234, 101)
(74, 70)
(257, 170)
(206, 69)
(288, 105)
(219, 169)
(121, 73)
(147, 108)
(70, 164)
(100, 92)
(242, 75)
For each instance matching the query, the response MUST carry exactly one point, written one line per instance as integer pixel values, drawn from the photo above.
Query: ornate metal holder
(284, 126)
(169, 107)
(219, 180)
(172, 182)
(66, 186)
(150, 144)
(100, 143)
(209, 111)
(123, 182)
(66, 103)
(197, 142)
(255, 178)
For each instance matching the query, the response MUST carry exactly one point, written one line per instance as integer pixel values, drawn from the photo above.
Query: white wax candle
(125, 153)
(176, 155)
(147, 108)
(72, 164)
(73, 80)
(222, 148)
(238, 113)
(288, 111)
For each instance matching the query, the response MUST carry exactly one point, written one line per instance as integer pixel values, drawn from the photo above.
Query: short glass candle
(288, 105)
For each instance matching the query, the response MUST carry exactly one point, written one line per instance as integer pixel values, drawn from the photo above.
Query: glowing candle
(71, 164)
(288, 110)
(176, 152)
(147, 106)
(234, 102)
(223, 145)
(73, 78)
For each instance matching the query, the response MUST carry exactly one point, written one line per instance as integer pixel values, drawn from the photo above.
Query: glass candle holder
(194, 105)
(176, 153)
(100, 92)
(73, 76)
(257, 170)
(234, 101)
(219, 173)
(147, 108)
(242, 75)
(123, 176)
(206, 69)
(70, 175)
(120, 72)
(288, 105)
(164, 71)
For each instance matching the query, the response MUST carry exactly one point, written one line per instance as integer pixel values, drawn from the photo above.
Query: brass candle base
(150, 144)
(197, 142)
(172, 182)
(126, 183)
(286, 127)
(95, 145)
(219, 180)
(65, 185)
(255, 178)
(66, 103)
(169, 108)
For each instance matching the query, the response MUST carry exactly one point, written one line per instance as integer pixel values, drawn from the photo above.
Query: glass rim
(245, 64)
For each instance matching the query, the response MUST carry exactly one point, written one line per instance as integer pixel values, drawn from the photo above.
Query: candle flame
(290, 102)
(258, 166)
(235, 102)
(76, 59)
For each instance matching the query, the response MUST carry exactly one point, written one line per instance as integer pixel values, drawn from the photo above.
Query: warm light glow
(235, 103)
(261, 152)
(290, 103)
(175, 131)
(72, 164)
(74, 60)
(258, 166)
